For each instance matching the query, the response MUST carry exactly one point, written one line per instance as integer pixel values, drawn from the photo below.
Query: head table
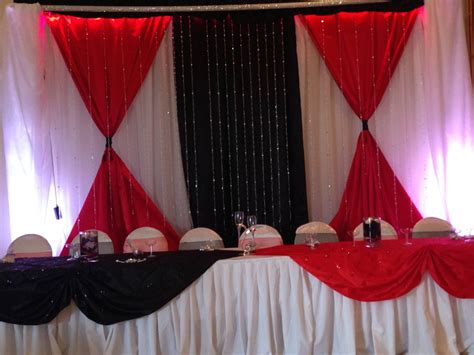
(335, 298)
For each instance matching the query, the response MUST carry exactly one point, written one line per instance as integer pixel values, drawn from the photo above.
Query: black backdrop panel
(240, 121)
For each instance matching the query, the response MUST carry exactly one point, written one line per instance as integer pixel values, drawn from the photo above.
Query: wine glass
(150, 242)
(251, 224)
(239, 221)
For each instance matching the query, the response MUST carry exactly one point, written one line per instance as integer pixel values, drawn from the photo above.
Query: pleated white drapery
(52, 148)
(423, 125)
(259, 306)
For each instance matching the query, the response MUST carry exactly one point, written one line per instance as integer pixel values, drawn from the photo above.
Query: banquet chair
(430, 227)
(387, 231)
(144, 237)
(196, 238)
(323, 232)
(105, 243)
(265, 236)
(30, 246)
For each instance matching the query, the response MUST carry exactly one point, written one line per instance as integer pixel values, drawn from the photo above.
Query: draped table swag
(33, 291)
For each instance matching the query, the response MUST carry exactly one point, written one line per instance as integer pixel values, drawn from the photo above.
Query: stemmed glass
(239, 221)
(251, 223)
(150, 242)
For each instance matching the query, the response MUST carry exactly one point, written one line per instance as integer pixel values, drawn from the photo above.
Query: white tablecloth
(261, 305)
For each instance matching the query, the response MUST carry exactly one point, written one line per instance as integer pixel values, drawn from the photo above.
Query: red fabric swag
(373, 190)
(123, 204)
(388, 271)
(108, 60)
(361, 50)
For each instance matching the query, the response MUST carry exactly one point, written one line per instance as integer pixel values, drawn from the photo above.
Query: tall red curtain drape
(108, 60)
(362, 50)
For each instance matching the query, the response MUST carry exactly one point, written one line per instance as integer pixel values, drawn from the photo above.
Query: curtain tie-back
(108, 142)
(365, 125)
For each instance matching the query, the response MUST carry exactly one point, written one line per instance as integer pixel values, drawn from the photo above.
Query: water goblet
(74, 251)
(150, 242)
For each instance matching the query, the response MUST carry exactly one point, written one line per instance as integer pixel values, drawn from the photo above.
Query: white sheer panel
(423, 125)
(263, 305)
(148, 139)
(5, 215)
(26, 136)
(53, 148)
(330, 131)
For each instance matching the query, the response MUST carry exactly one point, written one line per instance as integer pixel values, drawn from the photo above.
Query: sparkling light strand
(193, 115)
(372, 45)
(140, 71)
(252, 123)
(219, 121)
(286, 119)
(277, 128)
(125, 102)
(326, 123)
(269, 123)
(244, 117)
(162, 138)
(364, 159)
(389, 60)
(236, 135)
(175, 94)
(405, 110)
(346, 204)
(229, 139)
(260, 115)
(107, 112)
(185, 120)
(211, 130)
(78, 224)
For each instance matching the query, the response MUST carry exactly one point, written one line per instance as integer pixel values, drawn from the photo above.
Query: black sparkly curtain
(240, 126)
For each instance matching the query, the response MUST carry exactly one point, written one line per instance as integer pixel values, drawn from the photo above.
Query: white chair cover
(138, 238)
(430, 227)
(105, 243)
(387, 231)
(265, 236)
(30, 246)
(323, 232)
(195, 238)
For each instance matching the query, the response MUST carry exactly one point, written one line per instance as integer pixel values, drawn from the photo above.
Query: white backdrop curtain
(424, 124)
(52, 149)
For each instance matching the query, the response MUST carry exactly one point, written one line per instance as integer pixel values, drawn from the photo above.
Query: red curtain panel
(361, 50)
(108, 59)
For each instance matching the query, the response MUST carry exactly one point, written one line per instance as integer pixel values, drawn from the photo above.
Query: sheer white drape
(52, 149)
(261, 306)
(424, 124)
